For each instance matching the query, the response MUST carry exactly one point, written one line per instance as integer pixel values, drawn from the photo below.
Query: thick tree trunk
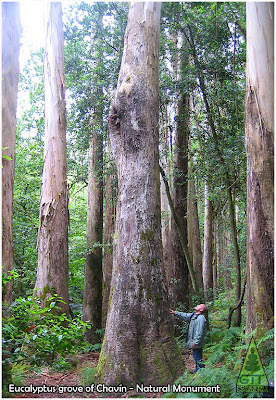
(138, 345)
(52, 274)
(260, 175)
(11, 31)
(208, 247)
(92, 295)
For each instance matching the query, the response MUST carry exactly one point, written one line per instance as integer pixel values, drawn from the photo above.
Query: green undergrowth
(34, 335)
(224, 355)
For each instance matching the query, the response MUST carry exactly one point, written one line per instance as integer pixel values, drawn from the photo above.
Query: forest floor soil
(49, 378)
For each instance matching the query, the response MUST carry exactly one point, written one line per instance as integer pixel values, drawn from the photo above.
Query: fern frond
(269, 335)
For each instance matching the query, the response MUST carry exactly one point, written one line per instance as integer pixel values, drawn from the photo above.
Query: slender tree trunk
(180, 195)
(233, 227)
(208, 247)
(11, 31)
(93, 274)
(190, 218)
(92, 295)
(227, 182)
(215, 260)
(52, 273)
(166, 221)
(218, 249)
(195, 238)
(109, 230)
(138, 345)
(260, 174)
(226, 257)
(180, 233)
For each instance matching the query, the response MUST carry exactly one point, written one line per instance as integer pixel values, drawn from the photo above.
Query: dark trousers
(197, 354)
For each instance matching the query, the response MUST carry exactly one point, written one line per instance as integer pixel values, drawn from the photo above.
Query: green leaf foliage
(36, 334)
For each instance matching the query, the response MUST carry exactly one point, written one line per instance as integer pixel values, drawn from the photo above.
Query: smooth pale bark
(139, 344)
(92, 295)
(207, 269)
(165, 159)
(260, 175)
(52, 273)
(11, 31)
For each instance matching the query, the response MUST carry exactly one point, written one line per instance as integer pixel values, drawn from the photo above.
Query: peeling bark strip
(11, 31)
(260, 176)
(52, 273)
(139, 344)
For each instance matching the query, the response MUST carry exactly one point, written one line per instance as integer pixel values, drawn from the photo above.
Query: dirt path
(52, 384)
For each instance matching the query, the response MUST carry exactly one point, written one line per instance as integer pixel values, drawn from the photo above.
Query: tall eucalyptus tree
(11, 31)
(52, 273)
(260, 174)
(138, 344)
(92, 295)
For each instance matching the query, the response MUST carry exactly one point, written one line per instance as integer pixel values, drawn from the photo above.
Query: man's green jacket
(197, 329)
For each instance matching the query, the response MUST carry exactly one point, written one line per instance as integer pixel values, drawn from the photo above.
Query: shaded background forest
(202, 87)
(89, 89)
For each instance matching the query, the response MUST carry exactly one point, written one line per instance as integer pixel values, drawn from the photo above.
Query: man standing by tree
(139, 344)
(196, 335)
